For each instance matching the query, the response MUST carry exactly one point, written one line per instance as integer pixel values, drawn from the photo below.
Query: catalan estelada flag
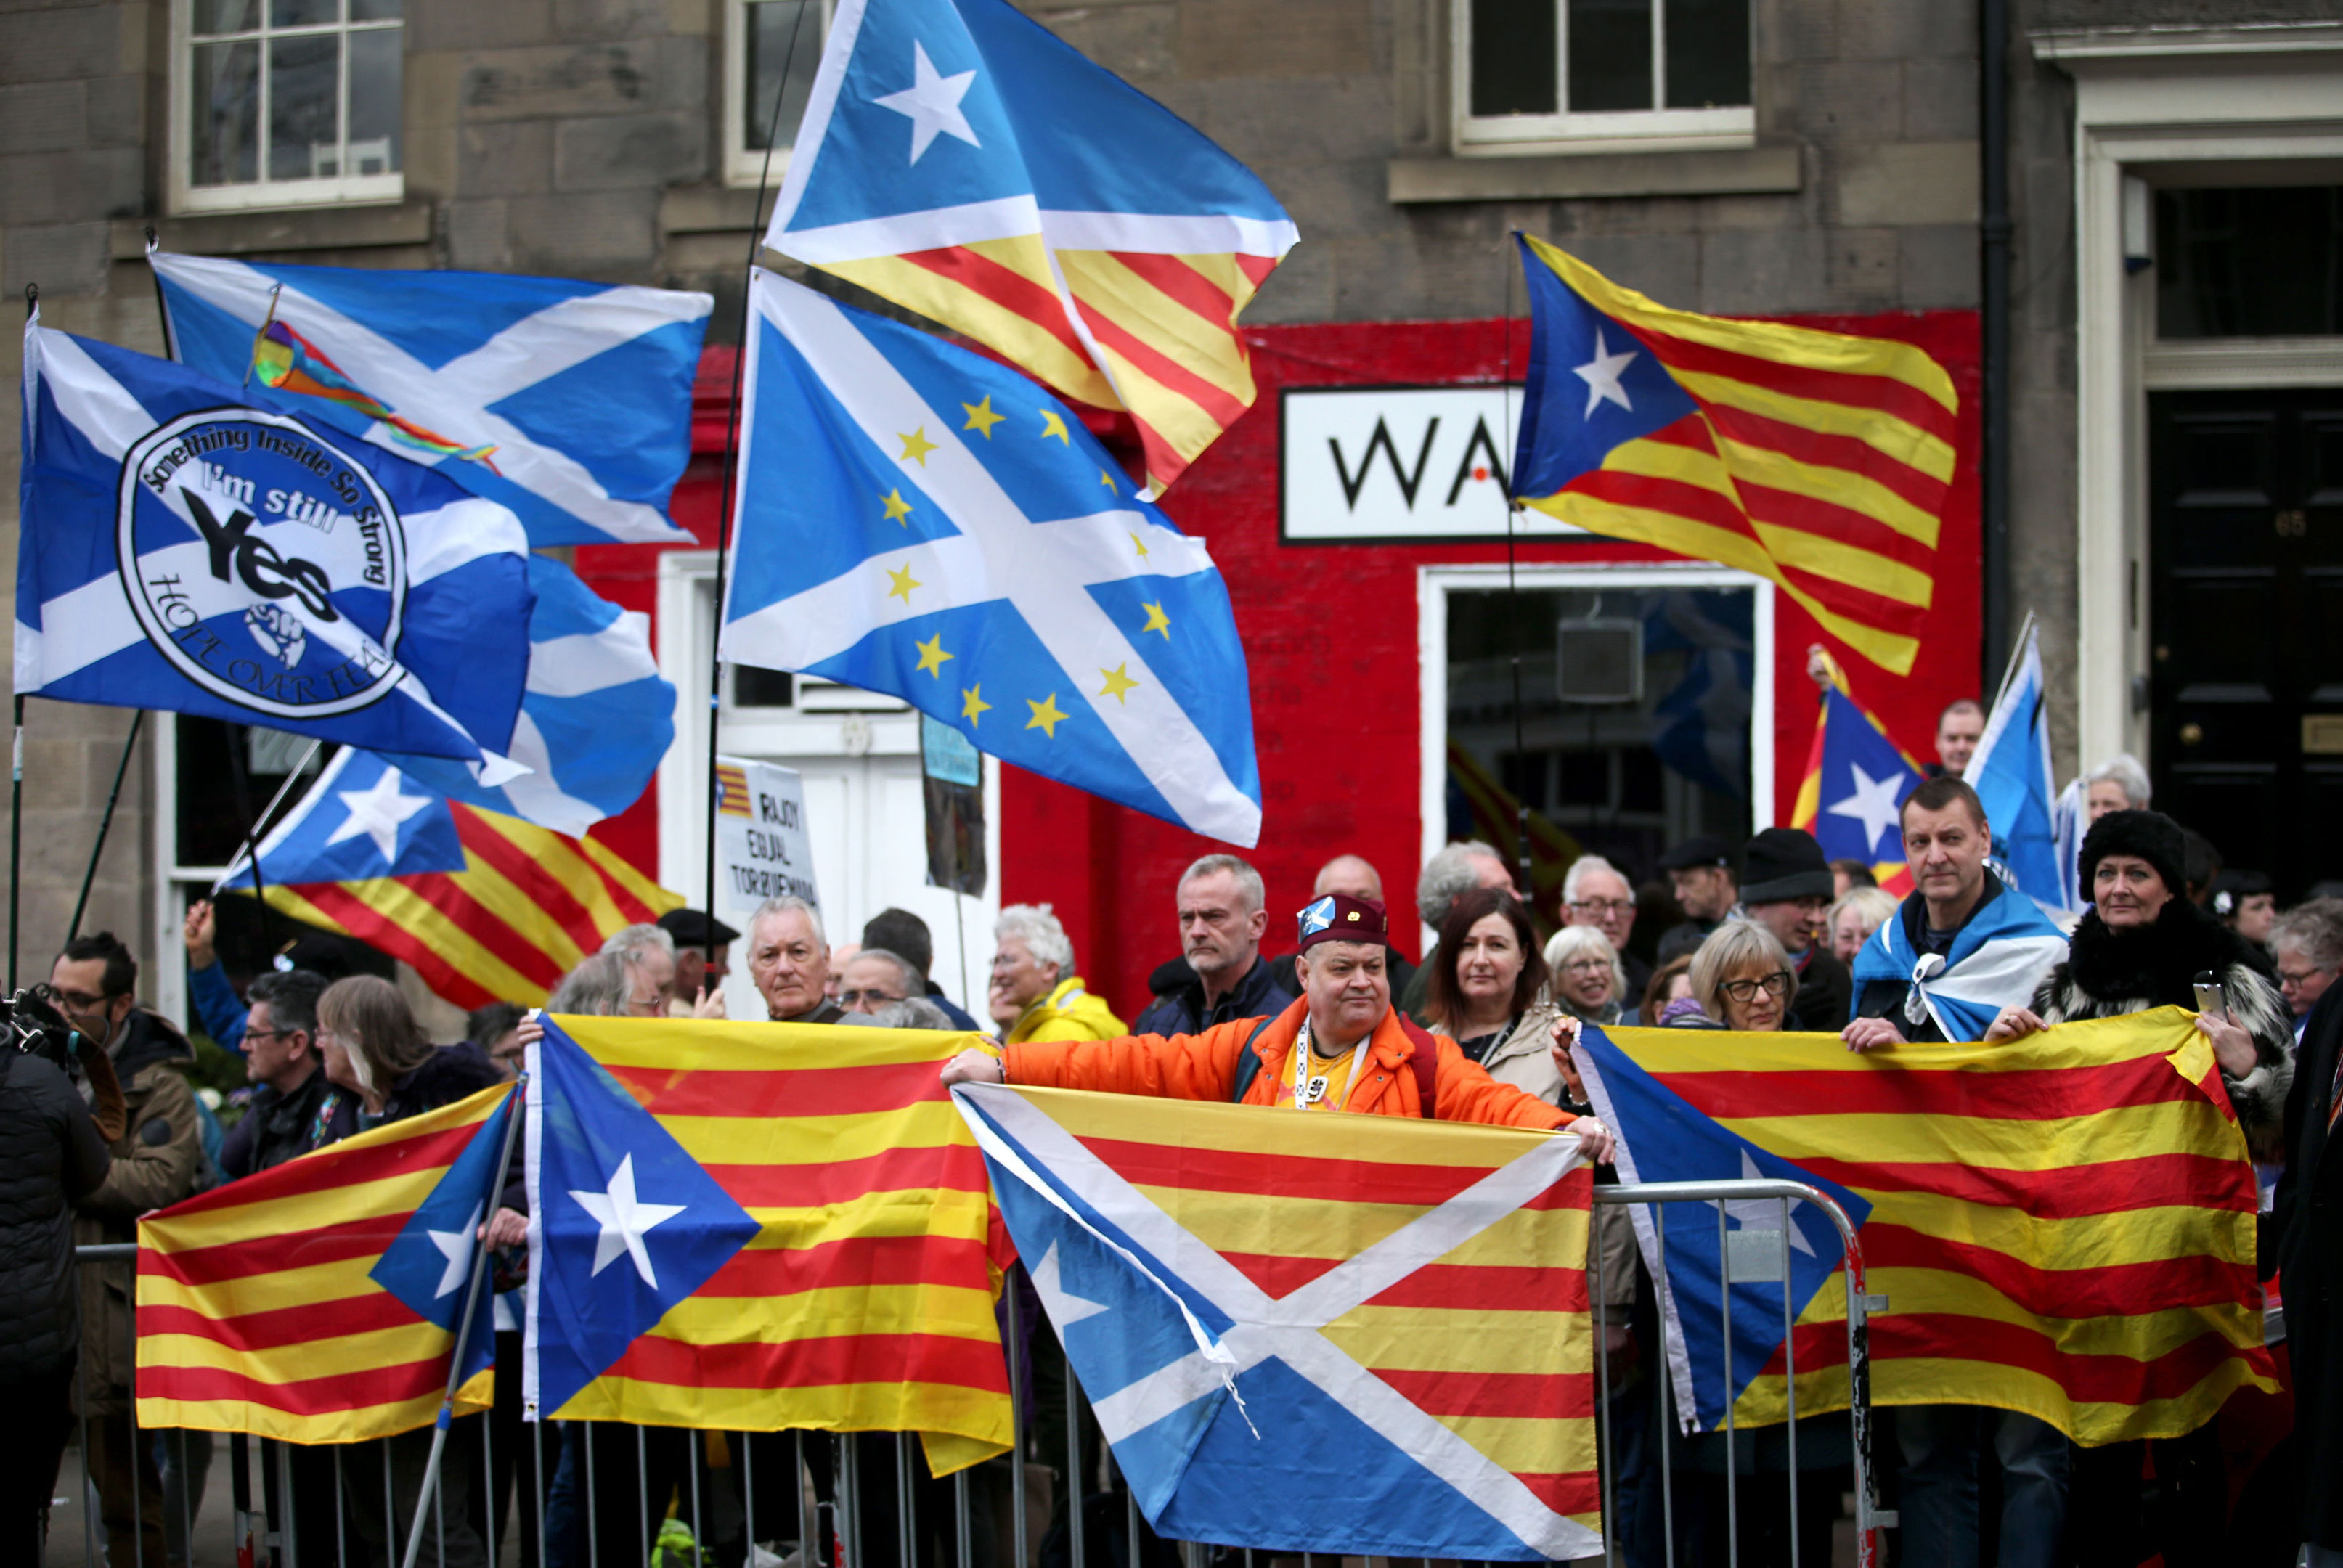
(732, 790)
(958, 158)
(486, 906)
(1852, 792)
(2062, 1225)
(1345, 1335)
(317, 1302)
(755, 1226)
(1814, 459)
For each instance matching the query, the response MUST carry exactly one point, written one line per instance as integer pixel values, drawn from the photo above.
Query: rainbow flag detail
(317, 1302)
(284, 359)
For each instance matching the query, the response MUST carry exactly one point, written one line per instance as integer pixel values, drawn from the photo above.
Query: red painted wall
(1330, 634)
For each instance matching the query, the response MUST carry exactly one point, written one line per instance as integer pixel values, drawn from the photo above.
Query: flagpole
(732, 449)
(240, 776)
(16, 752)
(1513, 615)
(430, 1482)
(129, 744)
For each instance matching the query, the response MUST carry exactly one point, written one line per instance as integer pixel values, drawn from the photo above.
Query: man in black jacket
(1785, 887)
(1222, 913)
(296, 1109)
(2308, 1217)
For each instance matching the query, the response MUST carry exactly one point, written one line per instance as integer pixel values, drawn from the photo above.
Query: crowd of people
(1760, 935)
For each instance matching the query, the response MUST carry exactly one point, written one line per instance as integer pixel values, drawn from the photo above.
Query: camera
(36, 1028)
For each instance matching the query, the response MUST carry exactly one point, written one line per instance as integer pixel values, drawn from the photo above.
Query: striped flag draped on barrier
(2063, 1225)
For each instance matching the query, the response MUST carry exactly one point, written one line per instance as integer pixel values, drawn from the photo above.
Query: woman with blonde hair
(1851, 919)
(1742, 977)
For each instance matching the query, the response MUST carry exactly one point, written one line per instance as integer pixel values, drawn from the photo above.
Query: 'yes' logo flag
(919, 520)
(184, 549)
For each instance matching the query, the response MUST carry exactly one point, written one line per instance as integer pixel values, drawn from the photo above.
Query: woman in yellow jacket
(1035, 993)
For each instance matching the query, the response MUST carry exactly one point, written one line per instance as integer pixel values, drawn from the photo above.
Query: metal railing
(841, 1513)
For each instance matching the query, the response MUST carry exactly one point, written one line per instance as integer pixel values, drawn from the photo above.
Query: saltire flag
(2010, 771)
(486, 906)
(2062, 1225)
(568, 402)
(917, 519)
(2002, 953)
(1818, 461)
(596, 719)
(318, 1301)
(959, 158)
(751, 1227)
(187, 549)
(1851, 796)
(1316, 1333)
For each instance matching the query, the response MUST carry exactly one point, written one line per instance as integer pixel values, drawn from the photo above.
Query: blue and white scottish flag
(1996, 960)
(2010, 771)
(429, 1263)
(596, 721)
(1663, 1138)
(918, 520)
(183, 549)
(568, 402)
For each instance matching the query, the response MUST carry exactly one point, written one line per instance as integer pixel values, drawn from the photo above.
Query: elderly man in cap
(1785, 887)
(703, 944)
(1339, 1046)
(1707, 887)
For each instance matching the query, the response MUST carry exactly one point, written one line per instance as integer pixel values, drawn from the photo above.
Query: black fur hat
(2151, 835)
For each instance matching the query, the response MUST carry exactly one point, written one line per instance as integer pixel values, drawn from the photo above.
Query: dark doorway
(2245, 623)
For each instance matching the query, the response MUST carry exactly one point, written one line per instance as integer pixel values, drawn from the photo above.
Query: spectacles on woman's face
(874, 996)
(1776, 984)
(1587, 966)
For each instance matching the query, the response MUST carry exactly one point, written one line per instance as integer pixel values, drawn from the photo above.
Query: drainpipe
(1993, 76)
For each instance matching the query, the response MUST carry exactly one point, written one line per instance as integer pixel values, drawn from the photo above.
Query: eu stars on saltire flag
(754, 1227)
(919, 520)
(568, 402)
(2063, 1225)
(186, 549)
(959, 158)
(1814, 459)
(318, 1301)
(1852, 796)
(1340, 1334)
(486, 906)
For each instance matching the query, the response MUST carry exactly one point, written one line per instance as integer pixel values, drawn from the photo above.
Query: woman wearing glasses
(1742, 979)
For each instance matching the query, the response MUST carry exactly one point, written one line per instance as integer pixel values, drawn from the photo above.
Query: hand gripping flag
(183, 549)
(2011, 774)
(1304, 1333)
(1816, 460)
(568, 402)
(1996, 960)
(486, 906)
(754, 1227)
(1760, 1249)
(318, 1301)
(1852, 796)
(918, 520)
(958, 158)
(2062, 1225)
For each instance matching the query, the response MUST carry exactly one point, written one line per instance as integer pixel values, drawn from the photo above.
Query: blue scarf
(1997, 960)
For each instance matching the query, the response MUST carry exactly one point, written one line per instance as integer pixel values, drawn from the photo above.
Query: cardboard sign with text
(761, 848)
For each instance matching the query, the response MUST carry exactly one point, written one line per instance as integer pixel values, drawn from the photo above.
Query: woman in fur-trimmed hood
(2142, 944)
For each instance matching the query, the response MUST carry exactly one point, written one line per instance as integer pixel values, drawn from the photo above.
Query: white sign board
(761, 848)
(1400, 463)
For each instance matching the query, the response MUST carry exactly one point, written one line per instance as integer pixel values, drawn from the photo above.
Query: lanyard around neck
(1310, 1088)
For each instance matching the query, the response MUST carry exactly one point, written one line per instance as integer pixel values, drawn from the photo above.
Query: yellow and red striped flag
(1817, 461)
(318, 1301)
(2062, 1225)
(758, 1226)
(1278, 1317)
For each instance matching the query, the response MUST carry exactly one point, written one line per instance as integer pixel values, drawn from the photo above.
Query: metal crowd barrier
(268, 1531)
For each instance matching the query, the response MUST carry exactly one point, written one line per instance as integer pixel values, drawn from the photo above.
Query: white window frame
(1434, 584)
(745, 164)
(185, 196)
(1626, 130)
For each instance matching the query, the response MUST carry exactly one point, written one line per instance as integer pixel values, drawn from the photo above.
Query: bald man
(1354, 877)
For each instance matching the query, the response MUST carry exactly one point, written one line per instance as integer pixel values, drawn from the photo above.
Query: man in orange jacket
(1339, 1047)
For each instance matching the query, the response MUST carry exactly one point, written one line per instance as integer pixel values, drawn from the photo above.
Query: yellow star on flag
(916, 445)
(1157, 622)
(903, 583)
(1139, 544)
(897, 508)
(1118, 682)
(1045, 714)
(932, 656)
(1108, 480)
(1053, 425)
(981, 418)
(973, 705)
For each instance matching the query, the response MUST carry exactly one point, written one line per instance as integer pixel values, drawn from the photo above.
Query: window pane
(302, 13)
(224, 112)
(1610, 55)
(375, 60)
(226, 16)
(303, 129)
(1512, 57)
(784, 38)
(1708, 53)
(755, 688)
(2266, 262)
(377, 10)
